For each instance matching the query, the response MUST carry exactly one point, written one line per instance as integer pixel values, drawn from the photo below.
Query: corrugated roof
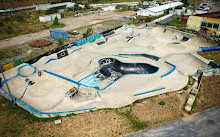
(210, 15)
(165, 7)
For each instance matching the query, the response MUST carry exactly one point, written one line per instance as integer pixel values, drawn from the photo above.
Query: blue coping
(144, 54)
(148, 92)
(187, 37)
(96, 87)
(56, 59)
(120, 56)
(65, 78)
(18, 74)
(174, 67)
(113, 35)
(76, 50)
(32, 110)
(49, 61)
(25, 66)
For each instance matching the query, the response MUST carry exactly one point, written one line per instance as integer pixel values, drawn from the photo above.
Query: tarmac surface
(203, 124)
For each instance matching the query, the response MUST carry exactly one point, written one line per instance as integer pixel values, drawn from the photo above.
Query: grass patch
(162, 103)
(175, 22)
(136, 124)
(211, 55)
(24, 23)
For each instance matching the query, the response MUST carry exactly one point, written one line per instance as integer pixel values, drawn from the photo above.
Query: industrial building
(208, 23)
(159, 10)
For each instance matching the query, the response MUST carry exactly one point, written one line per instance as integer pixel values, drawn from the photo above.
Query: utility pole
(13, 102)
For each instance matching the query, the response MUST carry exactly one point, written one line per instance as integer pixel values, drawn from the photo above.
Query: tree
(88, 32)
(56, 22)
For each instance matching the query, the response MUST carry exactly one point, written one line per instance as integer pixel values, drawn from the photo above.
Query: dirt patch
(153, 113)
(209, 95)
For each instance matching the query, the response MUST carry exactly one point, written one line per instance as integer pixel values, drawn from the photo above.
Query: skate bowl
(109, 75)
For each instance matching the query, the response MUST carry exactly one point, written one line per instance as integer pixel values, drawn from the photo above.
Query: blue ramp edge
(49, 61)
(32, 110)
(65, 78)
(148, 92)
(174, 67)
(76, 50)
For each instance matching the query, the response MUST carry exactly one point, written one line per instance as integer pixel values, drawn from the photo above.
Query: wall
(49, 17)
(194, 22)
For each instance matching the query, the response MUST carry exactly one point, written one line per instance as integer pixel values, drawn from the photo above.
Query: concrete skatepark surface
(133, 63)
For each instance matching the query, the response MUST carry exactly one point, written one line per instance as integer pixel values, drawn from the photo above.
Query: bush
(56, 22)
(8, 29)
(185, 88)
(162, 103)
(1, 24)
(60, 42)
(51, 11)
(88, 33)
(19, 18)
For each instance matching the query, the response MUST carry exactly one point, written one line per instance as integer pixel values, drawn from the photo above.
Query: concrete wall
(149, 13)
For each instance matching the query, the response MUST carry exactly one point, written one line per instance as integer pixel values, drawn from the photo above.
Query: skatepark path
(71, 23)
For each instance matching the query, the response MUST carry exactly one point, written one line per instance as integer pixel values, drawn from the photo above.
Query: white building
(108, 8)
(49, 17)
(186, 12)
(156, 11)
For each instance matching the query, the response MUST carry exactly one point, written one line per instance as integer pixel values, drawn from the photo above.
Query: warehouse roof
(165, 7)
(210, 15)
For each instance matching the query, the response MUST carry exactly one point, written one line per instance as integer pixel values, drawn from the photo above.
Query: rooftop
(165, 7)
(210, 15)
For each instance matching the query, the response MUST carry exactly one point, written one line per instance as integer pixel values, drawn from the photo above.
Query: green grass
(133, 120)
(162, 103)
(211, 55)
(23, 23)
(175, 22)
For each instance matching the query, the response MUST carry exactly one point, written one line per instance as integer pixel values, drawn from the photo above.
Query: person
(29, 81)
(39, 73)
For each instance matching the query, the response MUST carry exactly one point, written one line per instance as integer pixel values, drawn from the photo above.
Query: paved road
(203, 124)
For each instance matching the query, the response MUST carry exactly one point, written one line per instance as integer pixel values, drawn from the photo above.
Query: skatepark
(110, 72)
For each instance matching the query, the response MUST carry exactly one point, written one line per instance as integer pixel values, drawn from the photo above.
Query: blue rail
(49, 61)
(149, 92)
(174, 67)
(76, 50)
(62, 77)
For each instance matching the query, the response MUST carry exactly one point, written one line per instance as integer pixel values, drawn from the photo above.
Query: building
(49, 17)
(208, 22)
(108, 8)
(159, 10)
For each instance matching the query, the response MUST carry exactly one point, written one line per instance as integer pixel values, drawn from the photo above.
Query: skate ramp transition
(111, 68)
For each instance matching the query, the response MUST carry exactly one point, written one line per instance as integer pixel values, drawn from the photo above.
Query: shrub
(185, 88)
(56, 22)
(8, 29)
(60, 42)
(19, 18)
(1, 24)
(51, 11)
(162, 103)
(88, 32)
